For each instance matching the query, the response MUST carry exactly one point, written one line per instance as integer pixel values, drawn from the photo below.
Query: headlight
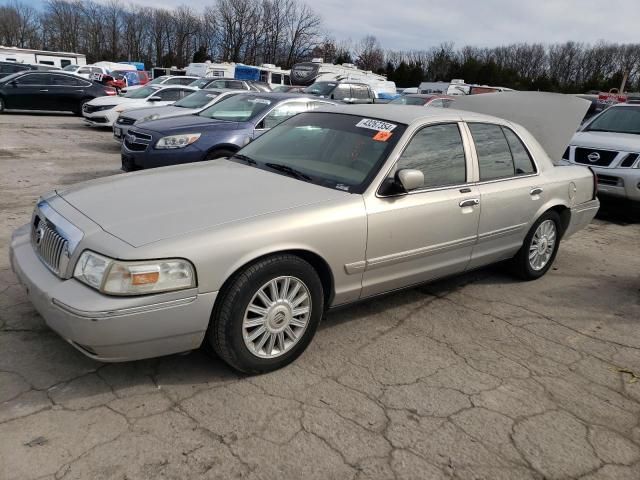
(150, 117)
(177, 141)
(115, 277)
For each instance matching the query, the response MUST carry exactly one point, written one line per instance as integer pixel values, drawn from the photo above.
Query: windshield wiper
(245, 158)
(289, 170)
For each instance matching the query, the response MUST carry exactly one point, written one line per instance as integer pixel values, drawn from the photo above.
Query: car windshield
(196, 99)
(617, 120)
(409, 101)
(158, 80)
(143, 92)
(238, 108)
(71, 68)
(200, 83)
(10, 77)
(338, 151)
(320, 88)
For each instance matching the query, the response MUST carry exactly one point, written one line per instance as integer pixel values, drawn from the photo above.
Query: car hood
(163, 111)
(145, 207)
(188, 122)
(625, 142)
(114, 100)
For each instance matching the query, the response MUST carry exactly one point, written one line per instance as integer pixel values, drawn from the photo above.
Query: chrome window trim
(401, 147)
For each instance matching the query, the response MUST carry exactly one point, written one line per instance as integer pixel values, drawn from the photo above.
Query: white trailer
(41, 57)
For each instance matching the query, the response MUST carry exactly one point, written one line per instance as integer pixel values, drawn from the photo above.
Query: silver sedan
(328, 208)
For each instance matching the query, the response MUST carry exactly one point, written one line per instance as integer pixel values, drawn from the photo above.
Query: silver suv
(610, 144)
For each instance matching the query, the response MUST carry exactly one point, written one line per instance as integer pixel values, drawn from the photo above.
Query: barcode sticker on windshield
(377, 125)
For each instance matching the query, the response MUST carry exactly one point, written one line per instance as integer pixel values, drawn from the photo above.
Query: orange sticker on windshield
(382, 136)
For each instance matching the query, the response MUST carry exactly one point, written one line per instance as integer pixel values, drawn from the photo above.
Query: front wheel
(268, 314)
(80, 107)
(539, 248)
(219, 153)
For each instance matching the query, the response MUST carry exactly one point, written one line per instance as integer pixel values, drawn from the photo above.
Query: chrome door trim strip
(407, 255)
(355, 267)
(502, 232)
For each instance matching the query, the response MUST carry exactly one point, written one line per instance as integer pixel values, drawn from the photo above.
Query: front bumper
(124, 129)
(619, 182)
(102, 118)
(105, 328)
(153, 158)
(581, 216)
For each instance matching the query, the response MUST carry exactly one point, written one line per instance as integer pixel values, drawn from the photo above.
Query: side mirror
(410, 179)
(154, 99)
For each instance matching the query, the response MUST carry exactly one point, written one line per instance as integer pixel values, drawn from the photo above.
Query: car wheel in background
(219, 153)
(539, 248)
(267, 314)
(1, 105)
(81, 106)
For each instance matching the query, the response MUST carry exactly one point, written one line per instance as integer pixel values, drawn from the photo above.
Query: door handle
(535, 191)
(45, 90)
(471, 202)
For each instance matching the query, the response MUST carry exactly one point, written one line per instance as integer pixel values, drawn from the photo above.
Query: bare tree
(369, 53)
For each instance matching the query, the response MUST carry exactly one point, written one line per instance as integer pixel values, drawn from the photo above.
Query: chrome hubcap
(542, 245)
(276, 317)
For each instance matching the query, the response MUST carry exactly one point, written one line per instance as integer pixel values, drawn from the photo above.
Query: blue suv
(217, 132)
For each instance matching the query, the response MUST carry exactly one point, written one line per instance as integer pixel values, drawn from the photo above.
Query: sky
(420, 24)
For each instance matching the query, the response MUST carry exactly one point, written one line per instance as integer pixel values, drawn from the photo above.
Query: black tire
(1, 105)
(219, 153)
(521, 264)
(225, 333)
(78, 112)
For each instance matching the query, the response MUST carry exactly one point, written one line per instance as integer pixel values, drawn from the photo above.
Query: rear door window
(494, 155)
(521, 159)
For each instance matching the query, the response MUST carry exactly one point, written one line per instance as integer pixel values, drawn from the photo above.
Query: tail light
(595, 183)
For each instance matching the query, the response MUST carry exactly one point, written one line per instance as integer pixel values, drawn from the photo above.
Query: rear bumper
(111, 329)
(581, 216)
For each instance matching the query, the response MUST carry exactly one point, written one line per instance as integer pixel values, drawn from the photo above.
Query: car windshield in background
(320, 88)
(143, 92)
(158, 80)
(409, 101)
(338, 151)
(237, 108)
(70, 68)
(617, 120)
(200, 83)
(196, 99)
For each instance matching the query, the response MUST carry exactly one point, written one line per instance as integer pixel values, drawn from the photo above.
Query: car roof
(409, 114)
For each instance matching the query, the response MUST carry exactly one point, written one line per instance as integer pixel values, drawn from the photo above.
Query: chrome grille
(48, 244)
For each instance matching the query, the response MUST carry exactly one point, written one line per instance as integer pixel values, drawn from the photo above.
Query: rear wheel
(219, 153)
(539, 248)
(268, 314)
(1, 105)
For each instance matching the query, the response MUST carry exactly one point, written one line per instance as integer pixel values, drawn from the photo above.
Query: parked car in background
(232, 83)
(49, 91)
(165, 80)
(609, 144)
(90, 72)
(123, 79)
(347, 92)
(216, 132)
(191, 104)
(246, 254)
(103, 112)
(420, 99)
(7, 68)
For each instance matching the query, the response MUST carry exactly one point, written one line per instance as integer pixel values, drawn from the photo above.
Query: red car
(126, 78)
